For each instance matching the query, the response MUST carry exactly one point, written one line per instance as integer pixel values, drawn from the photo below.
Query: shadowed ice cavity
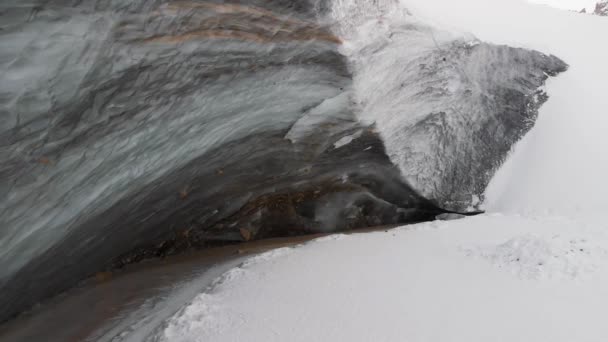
(135, 129)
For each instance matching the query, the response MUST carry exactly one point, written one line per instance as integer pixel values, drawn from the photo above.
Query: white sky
(568, 4)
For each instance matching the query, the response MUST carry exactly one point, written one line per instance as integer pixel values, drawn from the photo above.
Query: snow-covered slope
(490, 278)
(520, 276)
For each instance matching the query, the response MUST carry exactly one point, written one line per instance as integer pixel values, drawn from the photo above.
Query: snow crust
(439, 281)
(532, 256)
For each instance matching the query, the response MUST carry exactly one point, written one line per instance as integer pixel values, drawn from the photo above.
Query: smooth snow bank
(573, 5)
(561, 165)
(476, 279)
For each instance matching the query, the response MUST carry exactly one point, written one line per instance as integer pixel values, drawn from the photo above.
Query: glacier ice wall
(140, 128)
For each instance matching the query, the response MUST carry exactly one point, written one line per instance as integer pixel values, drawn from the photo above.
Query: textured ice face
(133, 129)
(448, 107)
(601, 9)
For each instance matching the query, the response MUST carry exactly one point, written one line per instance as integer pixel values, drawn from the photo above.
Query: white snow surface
(475, 279)
(534, 269)
(573, 5)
